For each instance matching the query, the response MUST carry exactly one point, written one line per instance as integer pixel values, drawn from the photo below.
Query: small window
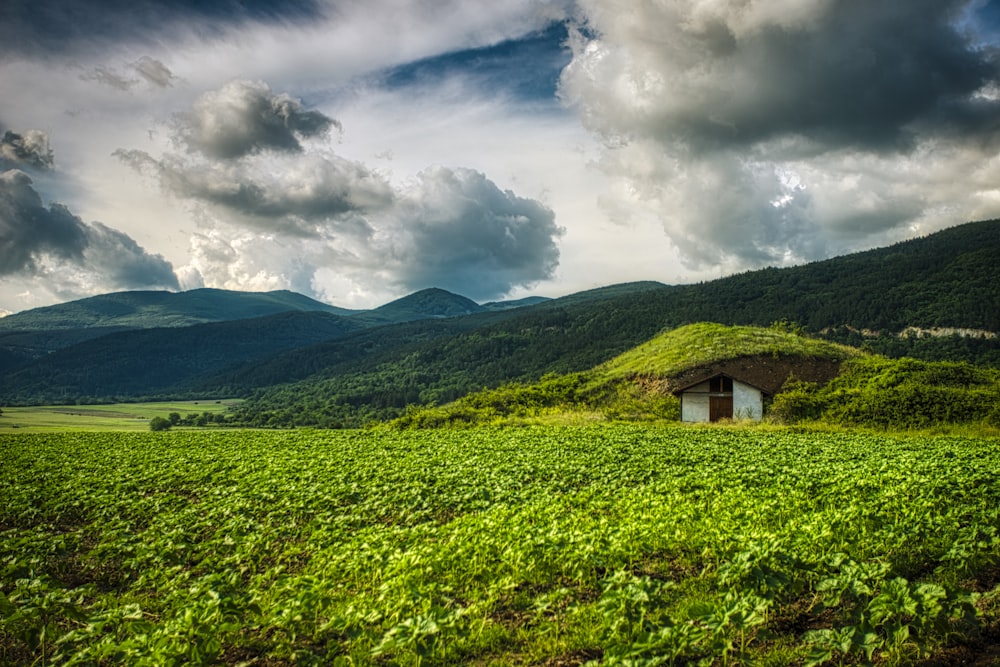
(720, 385)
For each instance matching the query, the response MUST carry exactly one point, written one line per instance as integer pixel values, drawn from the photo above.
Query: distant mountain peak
(144, 309)
(431, 302)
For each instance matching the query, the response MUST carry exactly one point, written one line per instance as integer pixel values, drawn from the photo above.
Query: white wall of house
(694, 403)
(748, 402)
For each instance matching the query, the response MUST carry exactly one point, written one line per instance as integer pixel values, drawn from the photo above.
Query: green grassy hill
(811, 380)
(943, 280)
(672, 353)
(926, 282)
(637, 384)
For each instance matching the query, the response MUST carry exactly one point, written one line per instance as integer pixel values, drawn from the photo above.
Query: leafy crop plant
(609, 545)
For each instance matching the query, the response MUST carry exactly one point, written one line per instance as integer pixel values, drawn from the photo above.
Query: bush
(797, 401)
(632, 402)
(915, 406)
(159, 424)
(896, 394)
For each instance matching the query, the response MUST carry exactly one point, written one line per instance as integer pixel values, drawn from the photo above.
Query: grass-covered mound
(897, 394)
(636, 385)
(672, 353)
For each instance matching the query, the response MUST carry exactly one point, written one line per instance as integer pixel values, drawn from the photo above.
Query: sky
(359, 150)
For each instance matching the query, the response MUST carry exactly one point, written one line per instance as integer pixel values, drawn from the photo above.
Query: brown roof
(678, 390)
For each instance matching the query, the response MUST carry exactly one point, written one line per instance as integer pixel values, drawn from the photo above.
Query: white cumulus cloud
(710, 109)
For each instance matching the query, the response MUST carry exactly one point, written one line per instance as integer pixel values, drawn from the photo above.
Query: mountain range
(300, 361)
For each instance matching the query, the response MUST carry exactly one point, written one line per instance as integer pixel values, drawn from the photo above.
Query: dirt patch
(765, 372)
(980, 651)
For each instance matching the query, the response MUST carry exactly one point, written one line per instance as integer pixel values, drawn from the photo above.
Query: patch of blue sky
(525, 69)
(982, 19)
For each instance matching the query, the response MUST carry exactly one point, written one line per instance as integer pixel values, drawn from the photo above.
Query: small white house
(720, 397)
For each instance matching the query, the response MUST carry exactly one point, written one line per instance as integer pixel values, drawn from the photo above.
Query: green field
(615, 544)
(112, 417)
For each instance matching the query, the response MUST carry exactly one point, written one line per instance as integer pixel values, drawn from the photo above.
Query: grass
(703, 343)
(111, 417)
(633, 386)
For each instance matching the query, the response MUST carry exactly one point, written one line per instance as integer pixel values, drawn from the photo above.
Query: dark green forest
(145, 309)
(941, 280)
(346, 368)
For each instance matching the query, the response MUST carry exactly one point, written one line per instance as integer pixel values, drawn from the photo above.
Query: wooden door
(720, 407)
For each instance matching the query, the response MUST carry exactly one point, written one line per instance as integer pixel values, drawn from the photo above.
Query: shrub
(797, 401)
(159, 424)
(895, 393)
(913, 405)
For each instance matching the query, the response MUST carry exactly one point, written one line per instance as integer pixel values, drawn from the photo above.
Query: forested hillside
(171, 361)
(425, 304)
(425, 348)
(146, 309)
(941, 280)
(37, 333)
(100, 365)
(946, 279)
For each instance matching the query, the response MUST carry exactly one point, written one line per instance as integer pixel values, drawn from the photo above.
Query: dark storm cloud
(449, 228)
(28, 229)
(785, 131)
(302, 195)
(459, 231)
(44, 27)
(26, 149)
(245, 117)
(271, 207)
(245, 162)
(869, 75)
(875, 76)
(32, 234)
(123, 263)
